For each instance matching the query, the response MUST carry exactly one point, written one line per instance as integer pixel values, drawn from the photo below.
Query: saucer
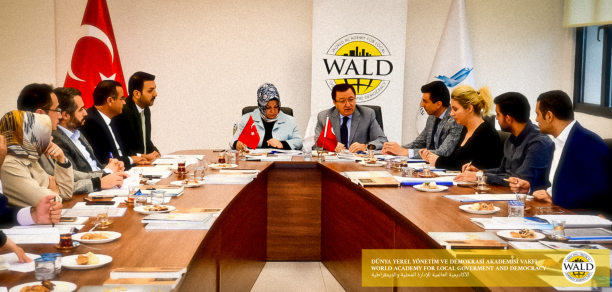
(75, 244)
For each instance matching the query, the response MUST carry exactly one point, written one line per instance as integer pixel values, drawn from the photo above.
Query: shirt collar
(139, 109)
(521, 136)
(106, 119)
(72, 135)
(443, 114)
(349, 116)
(565, 133)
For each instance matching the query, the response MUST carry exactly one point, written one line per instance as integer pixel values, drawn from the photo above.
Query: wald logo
(578, 267)
(359, 59)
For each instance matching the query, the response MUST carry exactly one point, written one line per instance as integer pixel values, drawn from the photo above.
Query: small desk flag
(249, 135)
(327, 139)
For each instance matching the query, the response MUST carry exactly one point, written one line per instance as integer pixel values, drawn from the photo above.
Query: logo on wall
(359, 59)
(578, 267)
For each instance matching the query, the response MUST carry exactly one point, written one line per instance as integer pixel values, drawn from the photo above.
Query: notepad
(33, 235)
(146, 276)
(15, 265)
(482, 198)
(577, 221)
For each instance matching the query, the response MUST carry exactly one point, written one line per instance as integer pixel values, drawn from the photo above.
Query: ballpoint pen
(53, 224)
(468, 166)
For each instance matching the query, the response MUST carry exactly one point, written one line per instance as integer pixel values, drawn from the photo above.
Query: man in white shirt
(101, 132)
(76, 147)
(580, 171)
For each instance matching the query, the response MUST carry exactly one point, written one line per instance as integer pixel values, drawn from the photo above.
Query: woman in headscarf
(275, 128)
(24, 181)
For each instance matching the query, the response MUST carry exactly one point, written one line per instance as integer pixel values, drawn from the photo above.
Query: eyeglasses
(57, 110)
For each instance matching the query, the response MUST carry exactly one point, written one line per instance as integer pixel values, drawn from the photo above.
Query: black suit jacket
(130, 128)
(8, 217)
(73, 153)
(101, 140)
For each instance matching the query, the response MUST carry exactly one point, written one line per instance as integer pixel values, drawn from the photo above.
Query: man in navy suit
(580, 171)
(99, 129)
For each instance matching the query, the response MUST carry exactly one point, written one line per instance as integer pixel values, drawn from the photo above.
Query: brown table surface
(137, 247)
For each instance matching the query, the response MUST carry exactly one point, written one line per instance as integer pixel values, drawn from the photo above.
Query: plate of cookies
(521, 235)
(152, 209)
(481, 208)
(372, 163)
(45, 286)
(222, 165)
(85, 261)
(431, 187)
(96, 237)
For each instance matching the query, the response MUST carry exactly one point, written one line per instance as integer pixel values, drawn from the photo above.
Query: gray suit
(84, 182)
(449, 130)
(364, 127)
(73, 153)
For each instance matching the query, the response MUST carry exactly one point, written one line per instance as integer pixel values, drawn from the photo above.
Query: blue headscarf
(265, 94)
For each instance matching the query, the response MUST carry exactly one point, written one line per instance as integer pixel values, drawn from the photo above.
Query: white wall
(210, 56)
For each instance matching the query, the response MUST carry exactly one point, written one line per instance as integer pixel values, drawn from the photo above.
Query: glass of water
(157, 197)
(44, 268)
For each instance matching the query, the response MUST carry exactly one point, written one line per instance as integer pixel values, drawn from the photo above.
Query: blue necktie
(344, 132)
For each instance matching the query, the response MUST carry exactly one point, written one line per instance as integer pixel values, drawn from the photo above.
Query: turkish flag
(95, 57)
(249, 135)
(327, 139)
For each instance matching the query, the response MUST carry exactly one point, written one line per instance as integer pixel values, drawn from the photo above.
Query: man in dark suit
(441, 133)
(76, 147)
(579, 175)
(101, 132)
(354, 125)
(135, 120)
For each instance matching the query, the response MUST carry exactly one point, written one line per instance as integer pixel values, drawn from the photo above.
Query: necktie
(344, 132)
(144, 132)
(434, 134)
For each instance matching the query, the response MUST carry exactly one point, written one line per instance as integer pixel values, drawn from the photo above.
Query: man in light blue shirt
(77, 149)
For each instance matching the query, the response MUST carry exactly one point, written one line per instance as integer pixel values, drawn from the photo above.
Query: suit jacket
(73, 153)
(449, 130)
(284, 130)
(84, 182)
(8, 217)
(102, 143)
(583, 177)
(130, 128)
(25, 182)
(364, 127)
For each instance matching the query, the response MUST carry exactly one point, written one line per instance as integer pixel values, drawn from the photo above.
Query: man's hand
(240, 146)
(469, 167)
(340, 147)
(53, 185)
(394, 149)
(429, 156)
(466, 176)
(47, 211)
(542, 195)
(112, 180)
(54, 152)
(10, 245)
(275, 143)
(518, 185)
(356, 147)
(140, 161)
(114, 165)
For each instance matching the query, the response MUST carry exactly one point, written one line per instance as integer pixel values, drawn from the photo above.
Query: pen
(53, 224)
(468, 166)
(111, 155)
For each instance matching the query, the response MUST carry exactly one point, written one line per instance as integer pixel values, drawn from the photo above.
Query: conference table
(293, 211)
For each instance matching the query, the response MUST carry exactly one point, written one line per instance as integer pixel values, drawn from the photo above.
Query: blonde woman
(479, 142)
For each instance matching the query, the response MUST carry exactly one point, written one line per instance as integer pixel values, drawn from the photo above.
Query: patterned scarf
(27, 134)
(266, 93)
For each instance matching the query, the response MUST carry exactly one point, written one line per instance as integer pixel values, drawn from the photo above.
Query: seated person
(135, 119)
(526, 151)
(579, 174)
(40, 98)
(479, 142)
(279, 129)
(441, 132)
(354, 125)
(101, 131)
(24, 181)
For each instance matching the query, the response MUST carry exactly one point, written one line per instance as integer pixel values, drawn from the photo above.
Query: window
(592, 75)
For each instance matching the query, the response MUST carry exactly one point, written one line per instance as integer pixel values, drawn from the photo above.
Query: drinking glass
(44, 268)
(66, 240)
(181, 165)
(200, 170)
(426, 170)
(140, 200)
(221, 158)
(138, 172)
(307, 153)
(157, 197)
(57, 257)
(133, 189)
(390, 163)
(371, 155)
(559, 227)
(102, 217)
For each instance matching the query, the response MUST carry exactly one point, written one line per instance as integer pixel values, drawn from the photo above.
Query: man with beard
(77, 149)
(135, 120)
(526, 151)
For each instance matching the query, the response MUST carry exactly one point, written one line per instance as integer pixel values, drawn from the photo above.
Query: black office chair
(490, 120)
(503, 136)
(378, 112)
(248, 109)
(608, 142)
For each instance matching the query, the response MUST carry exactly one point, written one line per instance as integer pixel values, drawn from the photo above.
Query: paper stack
(579, 221)
(152, 278)
(178, 221)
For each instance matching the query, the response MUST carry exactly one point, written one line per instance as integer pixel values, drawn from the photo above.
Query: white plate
(112, 236)
(378, 163)
(142, 210)
(467, 208)
(439, 189)
(69, 262)
(180, 183)
(506, 234)
(218, 166)
(60, 286)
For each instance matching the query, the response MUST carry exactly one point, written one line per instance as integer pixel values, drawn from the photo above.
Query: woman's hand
(52, 185)
(275, 143)
(10, 245)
